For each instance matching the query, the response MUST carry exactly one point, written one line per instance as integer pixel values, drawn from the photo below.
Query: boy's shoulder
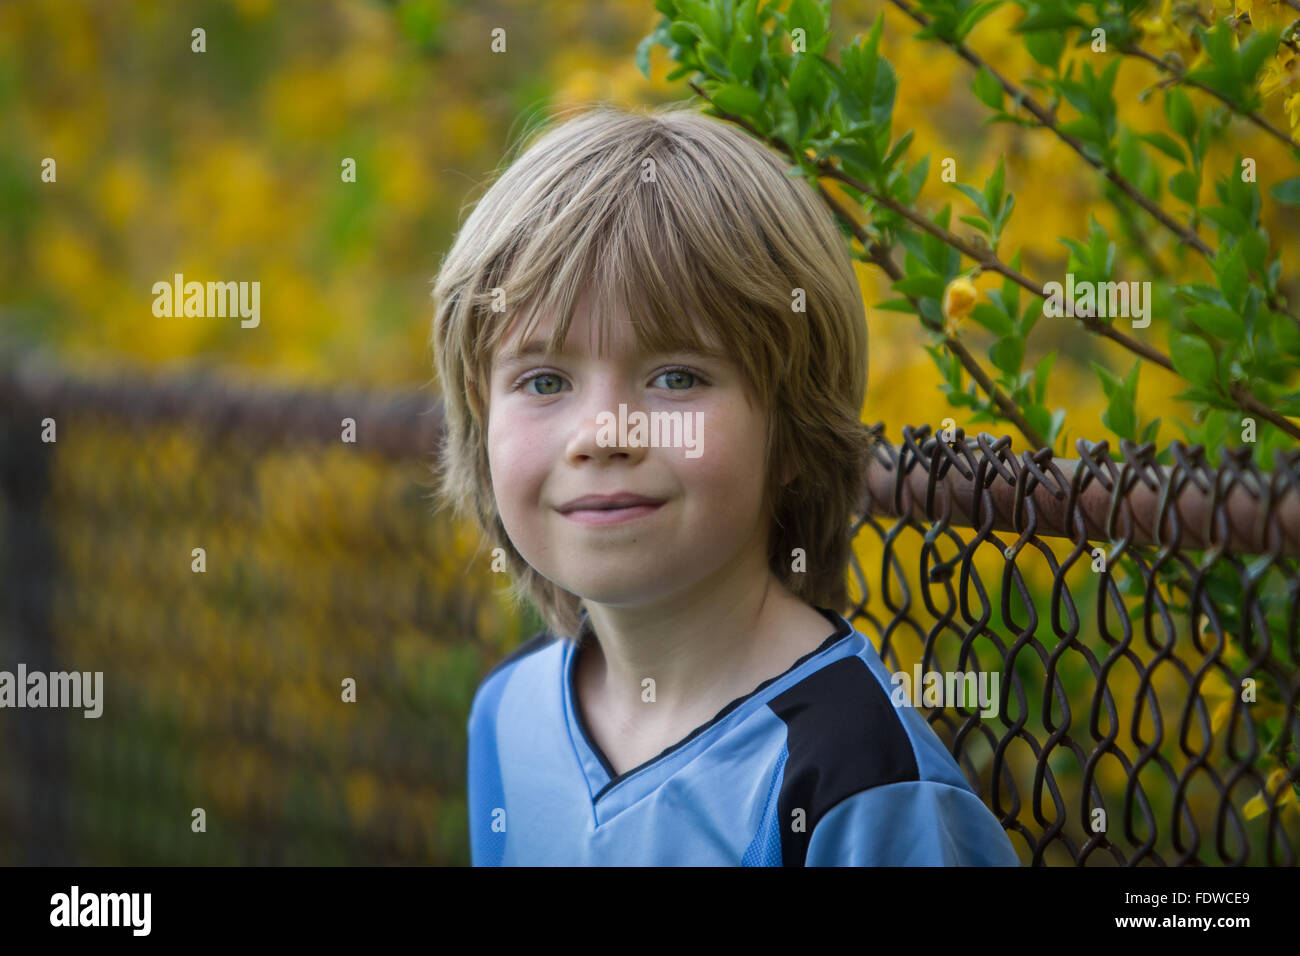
(499, 673)
(872, 779)
(845, 733)
(537, 642)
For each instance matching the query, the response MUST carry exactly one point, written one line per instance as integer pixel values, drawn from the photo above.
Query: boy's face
(545, 450)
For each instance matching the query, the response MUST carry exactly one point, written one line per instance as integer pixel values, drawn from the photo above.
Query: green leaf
(686, 34)
(936, 250)
(747, 17)
(866, 71)
(1166, 145)
(743, 57)
(930, 286)
(1049, 15)
(1120, 416)
(977, 198)
(1253, 52)
(712, 60)
(1180, 113)
(1008, 353)
(1010, 290)
(993, 189)
(1008, 204)
(1287, 191)
(1102, 249)
(1040, 419)
(1193, 358)
(1131, 380)
(897, 150)
(987, 89)
(979, 222)
(917, 174)
(1220, 71)
(1150, 432)
(1110, 384)
(1254, 250)
(1220, 322)
(1230, 270)
(1228, 220)
(995, 321)
(1041, 371)
(659, 36)
(738, 100)
(705, 15)
(1185, 186)
(1086, 128)
(808, 16)
(974, 15)
(1033, 312)
(1046, 46)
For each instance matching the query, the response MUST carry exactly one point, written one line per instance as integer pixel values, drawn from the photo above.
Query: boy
(696, 697)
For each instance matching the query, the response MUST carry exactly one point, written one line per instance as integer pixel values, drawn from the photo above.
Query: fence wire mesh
(1142, 619)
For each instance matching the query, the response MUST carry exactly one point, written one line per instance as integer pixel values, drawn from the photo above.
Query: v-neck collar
(842, 630)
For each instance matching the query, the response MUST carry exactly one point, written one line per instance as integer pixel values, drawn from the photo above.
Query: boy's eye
(679, 373)
(550, 379)
(543, 377)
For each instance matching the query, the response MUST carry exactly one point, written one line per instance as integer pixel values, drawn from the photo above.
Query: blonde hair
(672, 215)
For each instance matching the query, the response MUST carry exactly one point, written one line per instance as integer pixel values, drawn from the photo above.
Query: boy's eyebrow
(538, 347)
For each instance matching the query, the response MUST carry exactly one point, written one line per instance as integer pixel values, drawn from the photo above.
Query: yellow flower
(958, 301)
(1215, 687)
(1279, 76)
(1161, 24)
(1164, 29)
(1292, 107)
(1257, 804)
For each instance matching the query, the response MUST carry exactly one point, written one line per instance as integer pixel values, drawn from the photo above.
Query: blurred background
(324, 561)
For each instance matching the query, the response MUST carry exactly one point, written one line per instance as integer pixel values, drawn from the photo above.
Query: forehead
(611, 335)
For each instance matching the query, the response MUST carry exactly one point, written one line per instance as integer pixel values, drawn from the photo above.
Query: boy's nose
(604, 425)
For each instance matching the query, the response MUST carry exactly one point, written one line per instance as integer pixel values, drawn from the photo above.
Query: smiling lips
(608, 502)
(609, 509)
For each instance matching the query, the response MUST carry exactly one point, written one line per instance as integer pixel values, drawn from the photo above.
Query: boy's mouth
(602, 510)
(608, 516)
(622, 499)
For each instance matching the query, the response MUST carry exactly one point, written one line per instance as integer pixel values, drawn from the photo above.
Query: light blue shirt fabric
(815, 767)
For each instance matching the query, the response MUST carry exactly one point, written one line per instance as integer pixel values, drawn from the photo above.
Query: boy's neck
(698, 666)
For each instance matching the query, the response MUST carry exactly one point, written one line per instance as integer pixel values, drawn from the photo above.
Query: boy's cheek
(516, 442)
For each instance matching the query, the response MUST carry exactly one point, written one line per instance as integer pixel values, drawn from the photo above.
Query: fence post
(35, 741)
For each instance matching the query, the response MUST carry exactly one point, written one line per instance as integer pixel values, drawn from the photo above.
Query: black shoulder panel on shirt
(844, 736)
(534, 643)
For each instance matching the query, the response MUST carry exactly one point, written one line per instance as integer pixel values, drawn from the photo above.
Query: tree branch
(987, 259)
(1046, 119)
(1182, 77)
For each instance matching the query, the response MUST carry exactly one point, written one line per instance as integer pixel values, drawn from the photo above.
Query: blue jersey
(815, 767)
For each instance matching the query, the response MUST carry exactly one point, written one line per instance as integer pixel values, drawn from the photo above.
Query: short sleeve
(485, 791)
(911, 823)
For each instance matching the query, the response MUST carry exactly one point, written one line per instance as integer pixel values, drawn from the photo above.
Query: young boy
(696, 697)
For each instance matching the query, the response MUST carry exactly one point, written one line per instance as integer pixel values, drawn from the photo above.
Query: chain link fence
(289, 640)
